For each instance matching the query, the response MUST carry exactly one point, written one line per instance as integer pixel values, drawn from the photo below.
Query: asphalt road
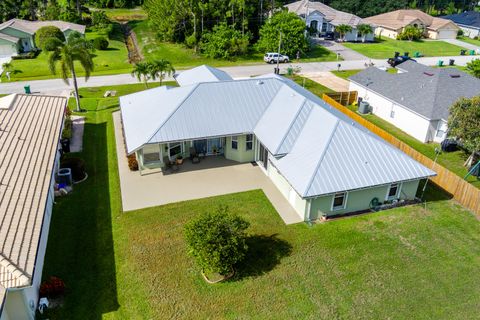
(58, 86)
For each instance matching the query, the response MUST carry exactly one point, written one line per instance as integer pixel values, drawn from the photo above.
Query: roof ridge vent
(454, 76)
(428, 74)
(259, 82)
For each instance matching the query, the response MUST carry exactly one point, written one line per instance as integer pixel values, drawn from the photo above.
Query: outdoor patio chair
(172, 166)
(194, 156)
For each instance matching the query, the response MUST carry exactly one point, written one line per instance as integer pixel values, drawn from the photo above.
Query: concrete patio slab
(213, 176)
(76, 145)
(328, 80)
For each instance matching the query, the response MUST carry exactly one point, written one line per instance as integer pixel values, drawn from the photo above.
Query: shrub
(77, 166)
(410, 33)
(53, 287)
(224, 42)
(191, 41)
(100, 43)
(45, 34)
(459, 33)
(217, 240)
(67, 128)
(132, 162)
(28, 55)
(99, 19)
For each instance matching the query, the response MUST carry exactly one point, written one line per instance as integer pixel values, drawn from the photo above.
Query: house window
(249, 142)
(393, 191)
(151, 153)
(234, 142)
(339, 201)
(174, 149)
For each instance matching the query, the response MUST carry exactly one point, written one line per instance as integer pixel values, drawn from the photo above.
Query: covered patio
(213, 176)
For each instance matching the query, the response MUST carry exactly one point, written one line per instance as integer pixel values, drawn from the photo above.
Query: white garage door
(6, 50)
(447, 34)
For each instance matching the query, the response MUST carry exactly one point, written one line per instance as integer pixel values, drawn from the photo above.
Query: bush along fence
(462, 191)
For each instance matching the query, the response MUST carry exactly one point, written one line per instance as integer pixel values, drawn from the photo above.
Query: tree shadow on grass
(432, 192)
(264, 254)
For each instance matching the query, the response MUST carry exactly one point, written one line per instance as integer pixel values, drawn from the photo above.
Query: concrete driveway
(346, 53)
(213, 176)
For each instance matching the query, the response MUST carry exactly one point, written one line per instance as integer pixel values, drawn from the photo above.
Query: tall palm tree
(161, 68)
(364, 30)
(75, 48)
(142, 70)
(343, 29)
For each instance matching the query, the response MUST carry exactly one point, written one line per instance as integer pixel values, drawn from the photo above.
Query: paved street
(57, 86)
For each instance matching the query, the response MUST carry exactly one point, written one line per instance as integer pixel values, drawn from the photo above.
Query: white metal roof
(202, 73)
(318, 149)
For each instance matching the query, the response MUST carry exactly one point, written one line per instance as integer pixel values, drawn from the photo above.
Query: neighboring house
(324, 18)
(18, 36)
(30, 128)
(391, 24)
(417, 99)
(468, 21)
(324, 163)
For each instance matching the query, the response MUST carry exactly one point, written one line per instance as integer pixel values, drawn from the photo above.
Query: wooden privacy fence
(462, 191)
(344, 98)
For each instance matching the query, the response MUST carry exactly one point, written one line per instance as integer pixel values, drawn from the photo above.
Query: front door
(200, 146)
(215, 146)
(263, 156)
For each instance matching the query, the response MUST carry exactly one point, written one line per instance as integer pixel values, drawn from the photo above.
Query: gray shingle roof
(469, 18)
(426, 91)
(317, 149)
(332, 15)
(32, 26)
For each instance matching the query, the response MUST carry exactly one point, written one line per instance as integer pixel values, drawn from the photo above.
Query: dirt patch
(134, 54)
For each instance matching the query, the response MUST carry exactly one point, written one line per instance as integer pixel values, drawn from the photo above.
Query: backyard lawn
(182, 57)
(470, 40)
(385, 48)
(114, 60)
(405, 263)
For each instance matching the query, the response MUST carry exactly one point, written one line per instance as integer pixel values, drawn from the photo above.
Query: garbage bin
(276, 70)
(27, 89)
(451, 62)
(65, 145)
(416, 54)
(462, 52)
(405, 54)
(440, 63)
(472, 52)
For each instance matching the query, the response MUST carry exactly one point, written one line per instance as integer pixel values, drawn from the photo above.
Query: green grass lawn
(310, 85)
(451, 160)
(182, 57)
(114, 60)
(385, 48)
(405, 263)
(124, 14)
(469, 40)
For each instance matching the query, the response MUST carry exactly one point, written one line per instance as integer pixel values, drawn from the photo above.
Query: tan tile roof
(335, 17)
(29, 133)
(399, 19)
(32, 26)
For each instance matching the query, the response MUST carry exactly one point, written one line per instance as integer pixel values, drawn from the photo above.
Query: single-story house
(391, 24)
(417, 99)
(324, 19)
(18, 35)
(30, 128)
(324, 163)
(468, 21)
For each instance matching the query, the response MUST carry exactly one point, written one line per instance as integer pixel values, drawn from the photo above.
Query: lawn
(470, 40)
(114, 60)
(124, 14)
(183, 57)
(405, 263)
(451, 160)
(310, 85)
(385, 48)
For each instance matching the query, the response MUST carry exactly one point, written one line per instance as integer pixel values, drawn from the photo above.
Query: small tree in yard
(217, 240)
(141, 70)
(410, 33)
(160, 68)
(464, 122)
(474, 67)
(224, 42)
(343, 29)
(44, 36)
(292, 29)
(364, 30)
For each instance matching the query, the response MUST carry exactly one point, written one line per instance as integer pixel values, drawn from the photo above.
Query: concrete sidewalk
(463, 44)
(213, 176)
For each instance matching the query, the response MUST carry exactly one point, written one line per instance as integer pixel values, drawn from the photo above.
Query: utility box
(364, 107)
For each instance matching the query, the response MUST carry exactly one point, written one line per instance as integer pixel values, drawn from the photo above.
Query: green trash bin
(472, 52)
(416, 54)
(27, 89)
(440, 63)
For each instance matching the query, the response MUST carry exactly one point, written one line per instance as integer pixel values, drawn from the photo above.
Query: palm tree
(343, 29)
(142, 70)
(161, 68)
(364, 30)
(75, 48)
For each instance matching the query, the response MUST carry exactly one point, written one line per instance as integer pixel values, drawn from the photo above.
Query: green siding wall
(19, 34)
(240, 154)
(359, 200)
